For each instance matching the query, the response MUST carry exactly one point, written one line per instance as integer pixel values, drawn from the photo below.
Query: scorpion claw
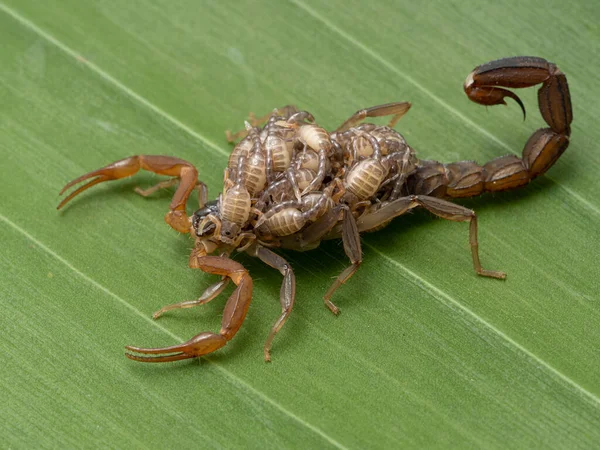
(233, 316)
(157, 359)
(96, 180)
(185, 172)
(199, 345)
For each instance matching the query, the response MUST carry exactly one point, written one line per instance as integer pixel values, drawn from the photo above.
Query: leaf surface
(425, 353)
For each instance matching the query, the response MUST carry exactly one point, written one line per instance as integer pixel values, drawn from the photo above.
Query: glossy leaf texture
(424, 354)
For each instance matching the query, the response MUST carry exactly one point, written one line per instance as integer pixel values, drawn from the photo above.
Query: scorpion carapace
(290, 183)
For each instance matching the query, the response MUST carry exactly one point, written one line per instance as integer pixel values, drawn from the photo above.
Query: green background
(424, 354)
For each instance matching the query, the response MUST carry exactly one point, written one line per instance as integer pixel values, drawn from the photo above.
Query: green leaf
(425, 353)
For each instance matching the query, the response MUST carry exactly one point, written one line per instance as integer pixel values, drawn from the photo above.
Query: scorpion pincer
(290, 184)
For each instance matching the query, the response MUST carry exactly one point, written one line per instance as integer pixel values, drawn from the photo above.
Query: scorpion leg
(258, 121)
(373, 220)
(319, 229)
(285, 111)
(200, 187)
(252, 122)
(351, 240)
(233, 315)
(209, 294)
(451, 211)
(397, 110)
(287, 294)
(441, 208)
(162, 165)
(232, 137)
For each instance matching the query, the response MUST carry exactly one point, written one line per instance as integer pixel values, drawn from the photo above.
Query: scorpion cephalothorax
(289, 183)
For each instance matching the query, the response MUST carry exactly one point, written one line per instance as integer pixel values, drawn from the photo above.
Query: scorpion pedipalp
(163, 165)
(233, 315)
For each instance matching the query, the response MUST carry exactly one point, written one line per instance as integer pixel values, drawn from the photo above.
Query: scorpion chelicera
(290, 184)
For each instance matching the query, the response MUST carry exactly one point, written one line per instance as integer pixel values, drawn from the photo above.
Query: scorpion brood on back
(291, 184)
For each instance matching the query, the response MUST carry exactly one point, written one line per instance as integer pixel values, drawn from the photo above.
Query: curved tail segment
(485, 85)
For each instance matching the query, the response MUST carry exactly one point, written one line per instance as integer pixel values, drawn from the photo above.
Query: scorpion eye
(202, 213)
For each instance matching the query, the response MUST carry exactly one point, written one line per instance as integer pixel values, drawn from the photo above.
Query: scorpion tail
(544, 147)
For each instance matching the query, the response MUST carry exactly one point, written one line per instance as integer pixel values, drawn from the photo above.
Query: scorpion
(291, 184)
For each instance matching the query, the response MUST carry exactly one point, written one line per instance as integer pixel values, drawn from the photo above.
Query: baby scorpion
(292, 184)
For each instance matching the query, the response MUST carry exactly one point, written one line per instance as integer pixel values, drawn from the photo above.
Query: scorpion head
(213, 231)
(206, 224)
(203, 226)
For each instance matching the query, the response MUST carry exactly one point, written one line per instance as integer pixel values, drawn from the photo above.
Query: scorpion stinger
(544, 147)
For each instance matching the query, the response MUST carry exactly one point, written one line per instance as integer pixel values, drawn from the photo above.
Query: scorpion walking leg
(232, 137)
(162, 165)
(351, 240)
(441, 208)
(313, 233)
(372, 220)
(451, 211)
(200, 187)
(397, 110)
(233, 315)
(209, 293)
(158, 186)
(285, 111)
(287, 293)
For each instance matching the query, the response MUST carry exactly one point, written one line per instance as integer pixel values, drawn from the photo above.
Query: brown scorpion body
(291, 184)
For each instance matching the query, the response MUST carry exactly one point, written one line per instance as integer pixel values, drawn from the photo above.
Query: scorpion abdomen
(286, 222)
(236, 203)
(364, 178)
(254, 173)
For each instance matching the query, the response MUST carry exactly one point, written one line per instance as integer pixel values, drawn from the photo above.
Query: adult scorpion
(291, 184)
